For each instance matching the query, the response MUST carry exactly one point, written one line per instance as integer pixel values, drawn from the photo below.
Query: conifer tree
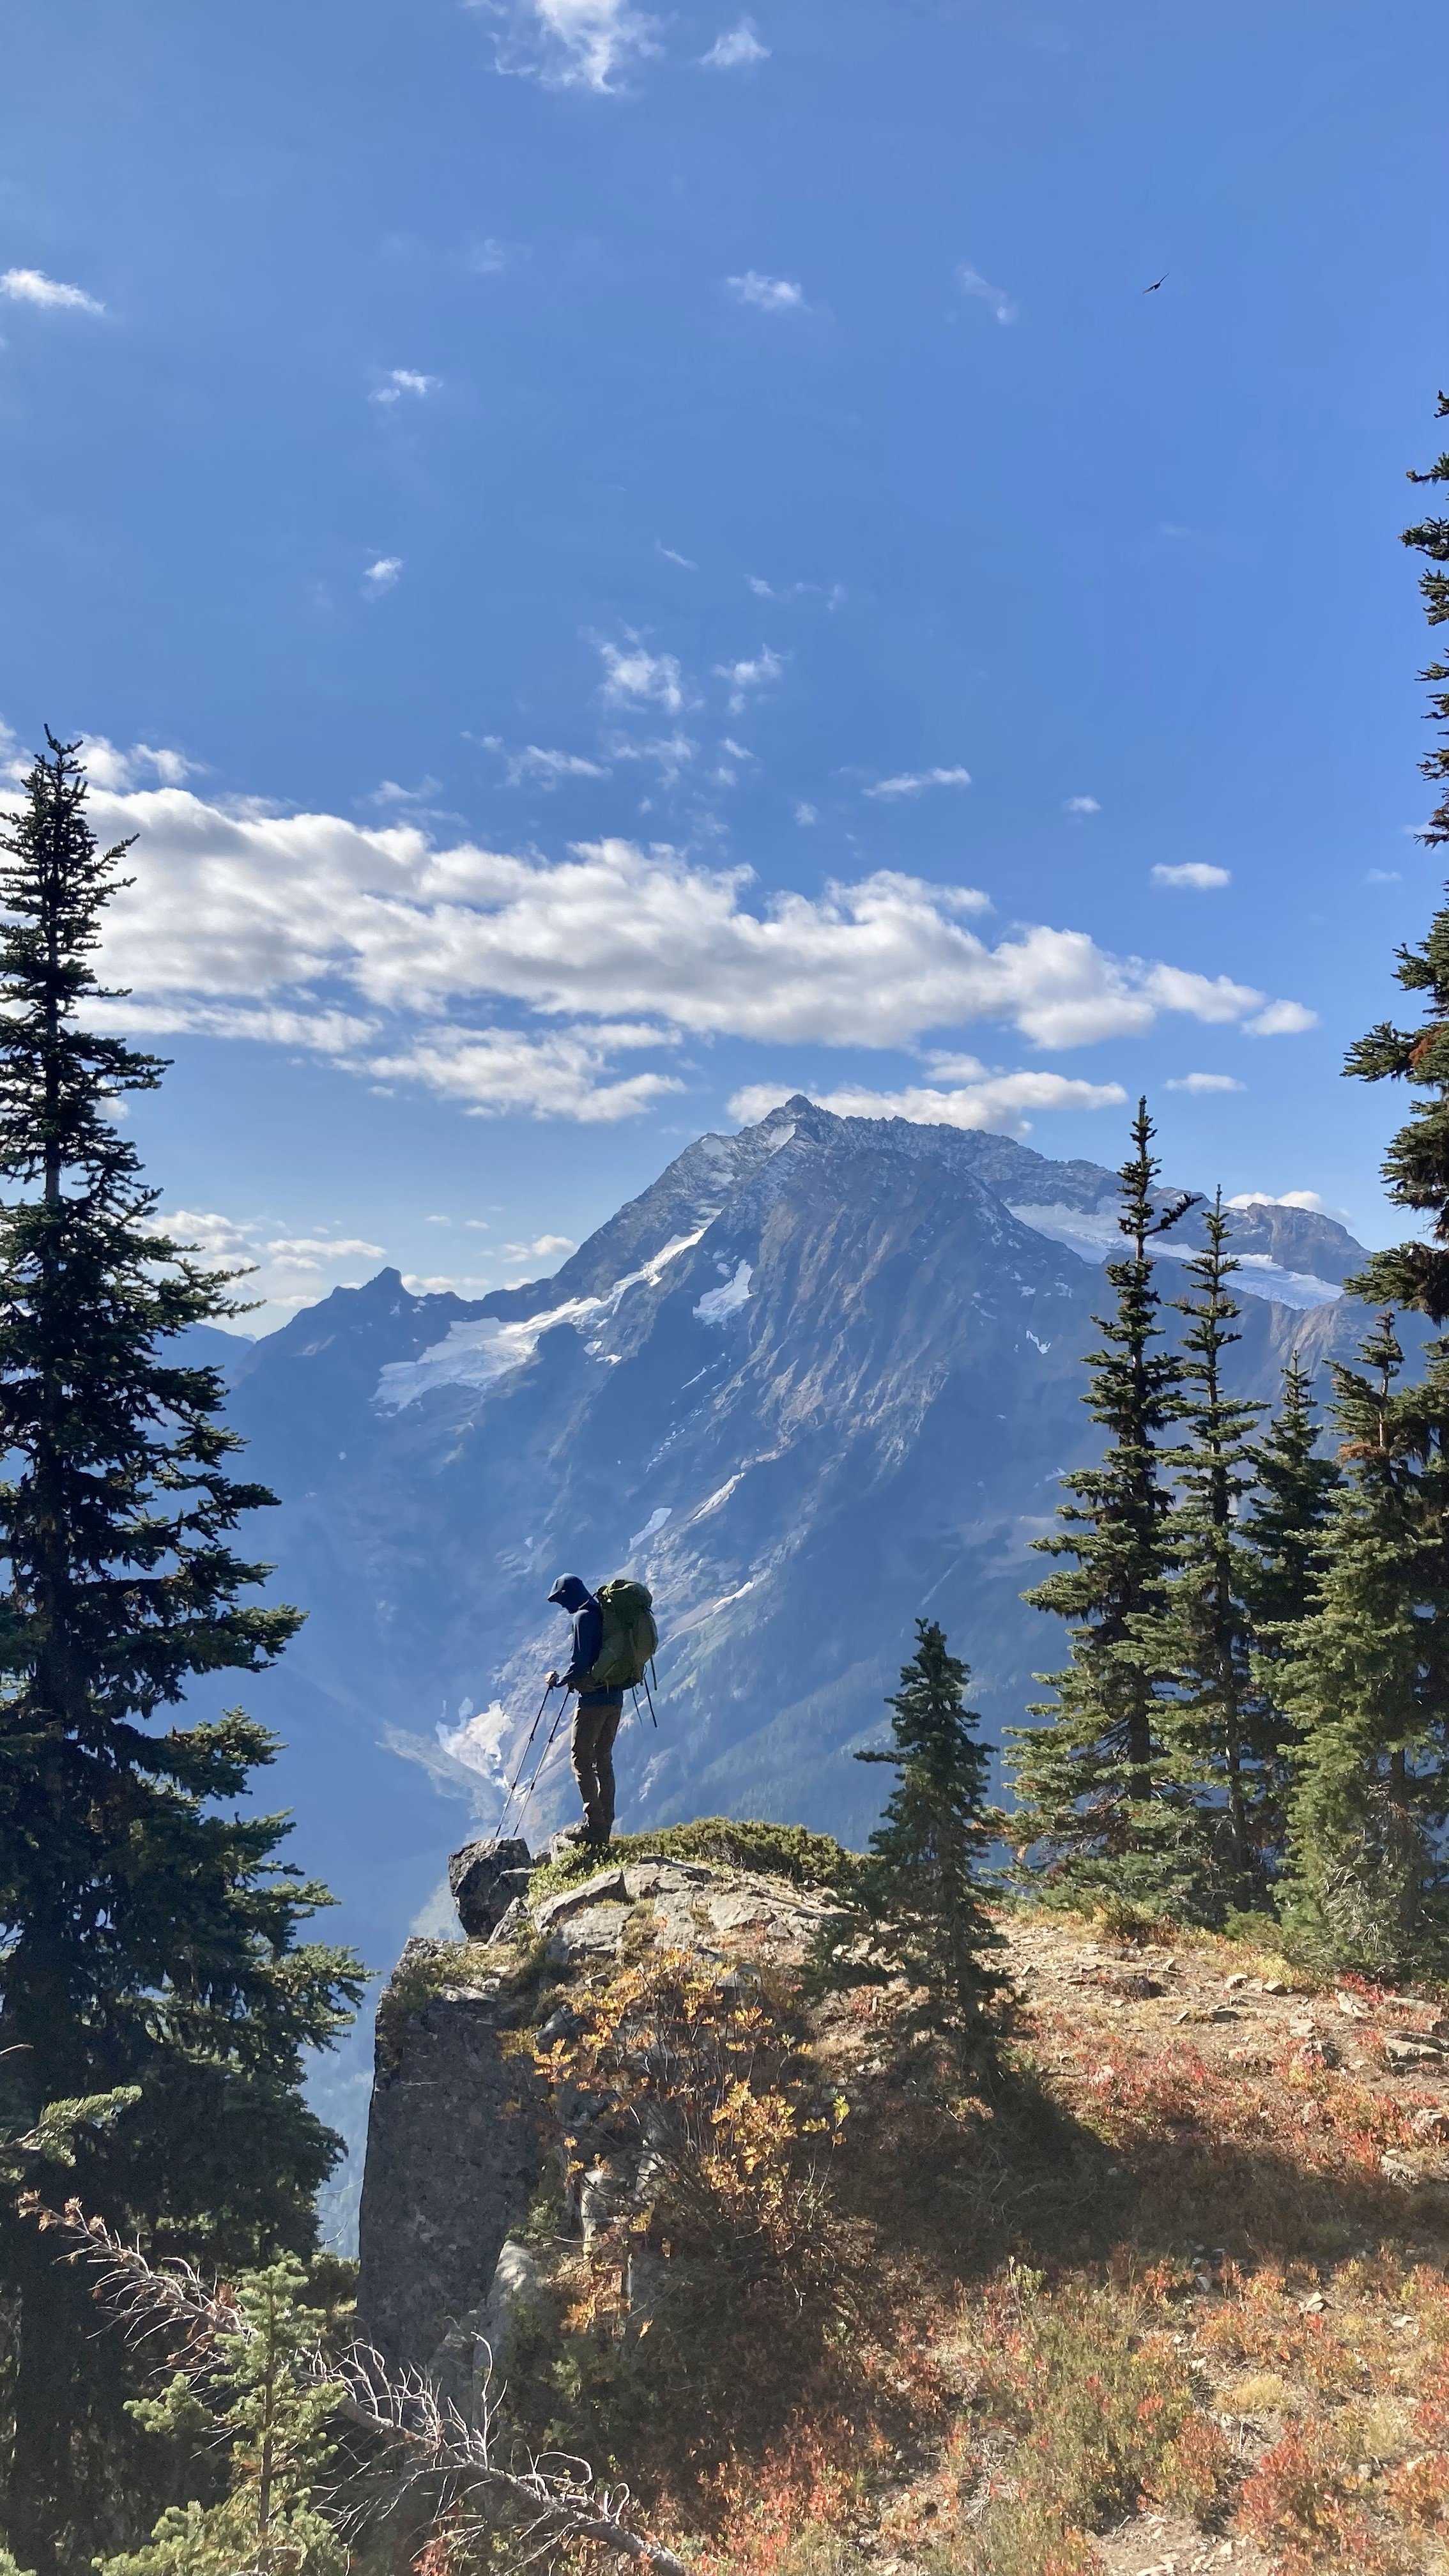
(253, 2393)
(1284, 1534)
(1365, 1679)
(917, 1909)
(147, 1935)
(1202, 1638)
(1416, 1167)
(1104, 1805)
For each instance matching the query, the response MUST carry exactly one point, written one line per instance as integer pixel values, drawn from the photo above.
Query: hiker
(596, 1717)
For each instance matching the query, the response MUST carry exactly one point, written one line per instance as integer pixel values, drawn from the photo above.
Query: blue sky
(622, 562)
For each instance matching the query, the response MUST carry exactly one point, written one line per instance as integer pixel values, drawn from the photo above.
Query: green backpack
(630, 1636)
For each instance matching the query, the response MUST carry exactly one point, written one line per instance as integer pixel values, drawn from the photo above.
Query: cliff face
(457, 2148)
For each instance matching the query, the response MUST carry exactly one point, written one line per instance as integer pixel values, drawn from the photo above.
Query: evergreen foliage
(257, 2400)
(1284, 1535)
(146, 1937)
(1416, 1166)
(1104, 1808)
(1366, 1681)
(1202, 1637)
(917, 1909)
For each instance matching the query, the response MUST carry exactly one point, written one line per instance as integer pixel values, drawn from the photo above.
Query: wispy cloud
(572, 44)
(1081, 805)
(806, 813)
(740, 47)
(544, 1247)
(404, 381)
(747, 676)
(382, 574)
(32, 286)
(1195, 874)
(672, 555)
(914, 782)
(971, 282)
(767, 294)
(486, 258)
(670, 753)
(978, 1099)
(633, 676)
(1383, 876)
(1205, 1082)
(107, 766)
(550, 767)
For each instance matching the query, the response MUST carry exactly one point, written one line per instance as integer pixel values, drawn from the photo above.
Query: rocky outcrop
(453, 2154)
(455, 2150)
(484, 1879)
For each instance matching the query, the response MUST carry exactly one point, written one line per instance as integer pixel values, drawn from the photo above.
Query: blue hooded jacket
(571, 1593)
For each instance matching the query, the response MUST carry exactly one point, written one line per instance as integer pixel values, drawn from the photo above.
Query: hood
(570, 1592)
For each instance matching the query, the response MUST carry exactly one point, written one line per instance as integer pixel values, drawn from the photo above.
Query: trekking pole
(543, 1757)
(509, 1792)
(649, 1695)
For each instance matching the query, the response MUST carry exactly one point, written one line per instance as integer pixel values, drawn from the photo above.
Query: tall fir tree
(917, 1908)
(1285, 1534)
(1104, 1796)
(1212, 1701)
(1365, 1679)
(1416, 1167)
(148, 1936)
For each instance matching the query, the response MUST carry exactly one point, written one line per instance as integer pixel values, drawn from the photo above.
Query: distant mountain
(821, 1377)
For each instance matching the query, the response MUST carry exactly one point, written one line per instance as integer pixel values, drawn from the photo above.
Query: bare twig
(551, 2499)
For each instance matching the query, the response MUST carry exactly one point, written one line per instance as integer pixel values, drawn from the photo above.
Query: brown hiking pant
(592, 1753)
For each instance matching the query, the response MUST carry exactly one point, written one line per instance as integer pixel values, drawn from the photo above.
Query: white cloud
(633, 676)
(239, 921)
(1205, 1082)
(1194, 873)
(1383, 876)
(32, 286)
(494, 1073)
(544, 1247)
(1282, 1020)
(573, 44)
(672, 555)
(740, 46)
(309, 1251)
(806, 813)
(669, 753)
(1288, 1198)
(404, 380)
(486, 258)
(1081, 805)
(971, 282)
(767, 294)
(548, 767)
(288, 1270)
(382, 574)
(108, 766)
(985, 1100)
(914, 782)
(747, 675)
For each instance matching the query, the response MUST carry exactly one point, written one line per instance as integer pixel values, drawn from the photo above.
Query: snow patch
(717, 1303)
(477, 1354)
(1094, 1235)
(718, 1498)
(651, 1529)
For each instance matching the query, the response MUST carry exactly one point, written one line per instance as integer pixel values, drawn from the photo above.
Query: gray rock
(606, 1885)
(485, 1878)
(517, 2280)
(453, 2156)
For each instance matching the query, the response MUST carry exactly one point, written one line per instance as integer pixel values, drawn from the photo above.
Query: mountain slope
(817, 1379)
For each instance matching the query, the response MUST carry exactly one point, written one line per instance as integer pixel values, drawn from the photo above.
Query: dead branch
(551, 2499)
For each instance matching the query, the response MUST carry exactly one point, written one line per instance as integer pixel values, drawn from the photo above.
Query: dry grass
(1182, 2273)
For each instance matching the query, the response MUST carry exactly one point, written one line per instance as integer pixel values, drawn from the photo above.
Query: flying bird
(1157, 281)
